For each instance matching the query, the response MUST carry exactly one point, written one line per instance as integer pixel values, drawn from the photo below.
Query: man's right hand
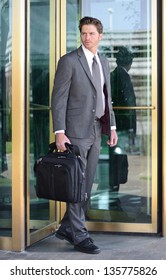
(60, 140)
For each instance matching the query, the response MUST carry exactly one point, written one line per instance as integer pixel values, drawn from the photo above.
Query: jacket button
(93, 110)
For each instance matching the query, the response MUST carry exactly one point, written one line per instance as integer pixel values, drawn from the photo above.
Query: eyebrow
(93, 32)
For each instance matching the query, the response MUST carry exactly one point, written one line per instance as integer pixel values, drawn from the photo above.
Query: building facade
(34, 34)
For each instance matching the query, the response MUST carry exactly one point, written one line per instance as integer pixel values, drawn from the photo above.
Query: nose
(87, 36)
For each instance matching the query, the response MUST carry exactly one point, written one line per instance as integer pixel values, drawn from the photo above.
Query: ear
(100, 36)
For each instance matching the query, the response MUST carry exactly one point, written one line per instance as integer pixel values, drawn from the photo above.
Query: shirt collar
(88, 53)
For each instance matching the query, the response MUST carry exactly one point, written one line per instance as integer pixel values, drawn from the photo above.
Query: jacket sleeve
(60, 92)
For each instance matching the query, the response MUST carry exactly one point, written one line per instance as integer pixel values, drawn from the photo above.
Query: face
(90, 37)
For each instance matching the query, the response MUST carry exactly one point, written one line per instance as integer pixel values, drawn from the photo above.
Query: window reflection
(123, 95)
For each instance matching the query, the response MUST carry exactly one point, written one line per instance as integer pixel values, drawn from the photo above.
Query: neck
(92, 50)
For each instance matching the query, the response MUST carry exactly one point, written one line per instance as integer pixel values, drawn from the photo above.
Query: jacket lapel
(105, 71)
(84, 63)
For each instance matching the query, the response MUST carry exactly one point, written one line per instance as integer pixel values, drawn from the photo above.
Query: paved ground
(113, 247)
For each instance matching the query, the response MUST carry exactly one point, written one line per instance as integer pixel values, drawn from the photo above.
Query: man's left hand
(113, 138)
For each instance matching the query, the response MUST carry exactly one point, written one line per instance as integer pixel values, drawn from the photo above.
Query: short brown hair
(91, 20)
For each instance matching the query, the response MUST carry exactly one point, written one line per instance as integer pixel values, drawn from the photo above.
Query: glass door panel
(39, 101)
(5, 119)
(124, 189)
(42, 211)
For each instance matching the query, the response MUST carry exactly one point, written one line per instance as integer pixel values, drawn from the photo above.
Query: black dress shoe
(62, 234)
(87, 246)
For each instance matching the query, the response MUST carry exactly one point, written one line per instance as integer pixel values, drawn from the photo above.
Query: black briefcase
(60, 175)
(118, 167)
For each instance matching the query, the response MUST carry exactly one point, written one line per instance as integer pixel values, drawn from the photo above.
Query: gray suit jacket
(73, 100)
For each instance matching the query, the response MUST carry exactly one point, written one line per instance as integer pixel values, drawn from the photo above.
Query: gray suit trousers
(74, 218)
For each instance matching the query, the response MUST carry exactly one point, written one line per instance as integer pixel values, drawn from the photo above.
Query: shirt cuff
(113, 127)
(59, 131)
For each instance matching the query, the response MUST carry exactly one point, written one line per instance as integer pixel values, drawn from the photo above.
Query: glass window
(5, 119)
(122, 187)
(39, 103)
(72, 32)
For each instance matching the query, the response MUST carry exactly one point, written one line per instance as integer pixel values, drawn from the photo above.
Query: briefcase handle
(70, 148)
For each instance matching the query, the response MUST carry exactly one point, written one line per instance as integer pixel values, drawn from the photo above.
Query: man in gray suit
(75, 120)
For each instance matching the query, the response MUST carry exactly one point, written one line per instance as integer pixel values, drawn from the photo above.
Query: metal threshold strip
(134, 107)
